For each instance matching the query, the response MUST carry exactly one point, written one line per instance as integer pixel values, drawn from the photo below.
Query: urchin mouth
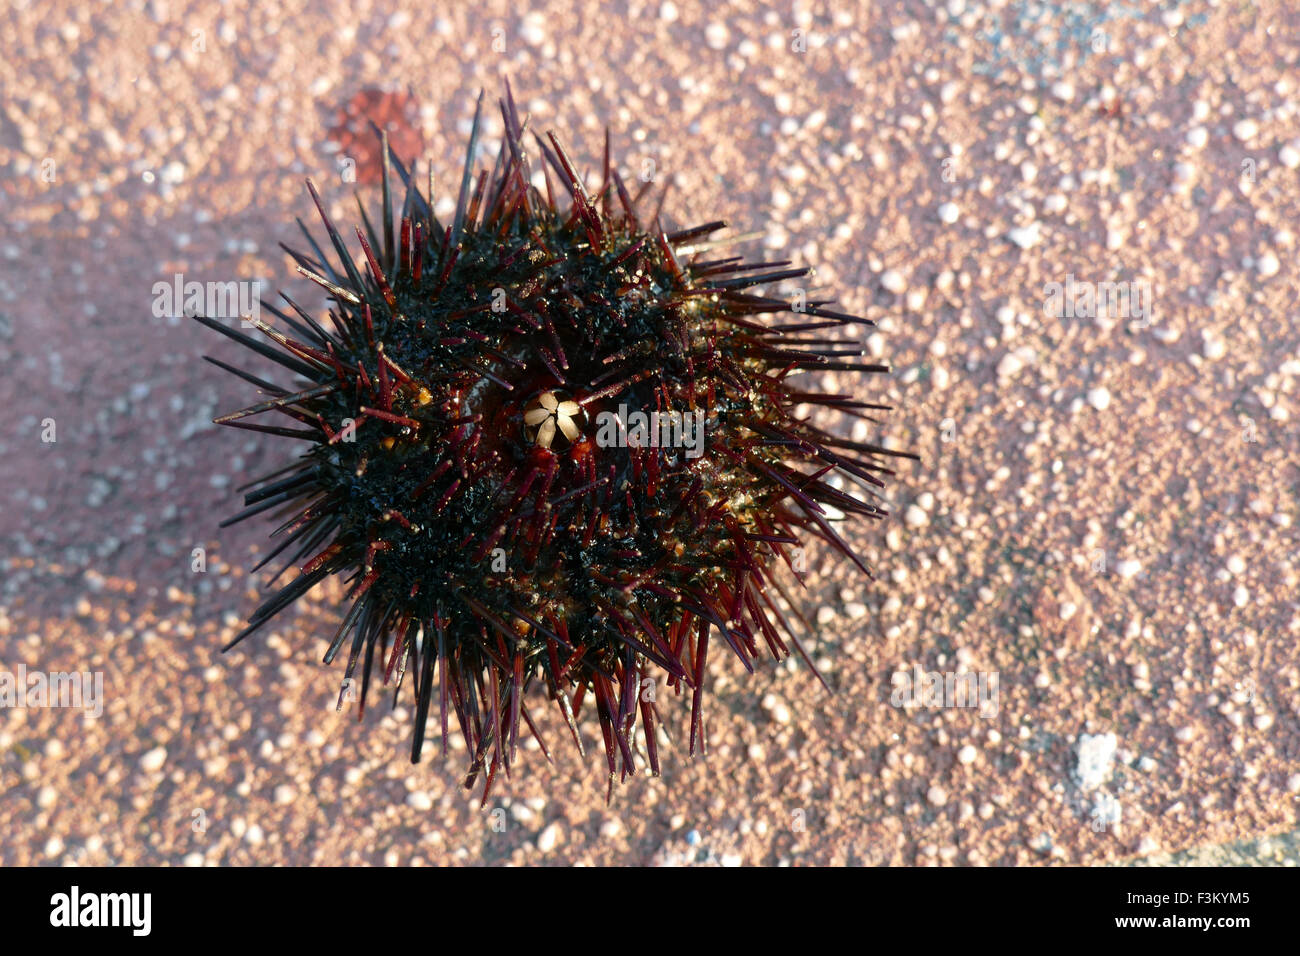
(553, 420)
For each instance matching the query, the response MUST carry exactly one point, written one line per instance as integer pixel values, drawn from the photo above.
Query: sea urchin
(549, 443)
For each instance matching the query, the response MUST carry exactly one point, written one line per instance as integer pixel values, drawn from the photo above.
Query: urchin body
(491, 535)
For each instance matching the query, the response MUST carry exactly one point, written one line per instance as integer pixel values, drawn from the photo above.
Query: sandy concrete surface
(1104, 517)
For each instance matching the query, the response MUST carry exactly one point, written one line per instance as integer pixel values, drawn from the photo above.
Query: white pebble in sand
(716, 36)
(1289, 156)
(893, 281)
(948, 213)
(1267, 265)
(1096, 758)
(1213, 347)
(548, 838)
(1197, 137)
(778, 711)
(1099, 398)
(1026, 237)
(1063, 91)
(1245, 130)
(1236, 565)
(1128, 569)
(914, 517)
(967, 755)
(1010, 365)
(937, 796)
(533, 29)
(419, 800)
(153, 761)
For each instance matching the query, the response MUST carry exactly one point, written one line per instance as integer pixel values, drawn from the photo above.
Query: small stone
(1063, 91)
(967, 755)
(1213, 347)
(1010, 365)
(1128, 569)
(548, 838)
(1245, 130)
(1197, 137)
(172, 174)
(893, 281)
(1267, 265)
(937, 796)
(915, 517)
(1099, 398)
(285, 794)
(533, 29)
(949, 213)
(1026, 237)
(1289, 156)
(153, 761)
(716, 36)
(1096, 758)
(419, 800)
